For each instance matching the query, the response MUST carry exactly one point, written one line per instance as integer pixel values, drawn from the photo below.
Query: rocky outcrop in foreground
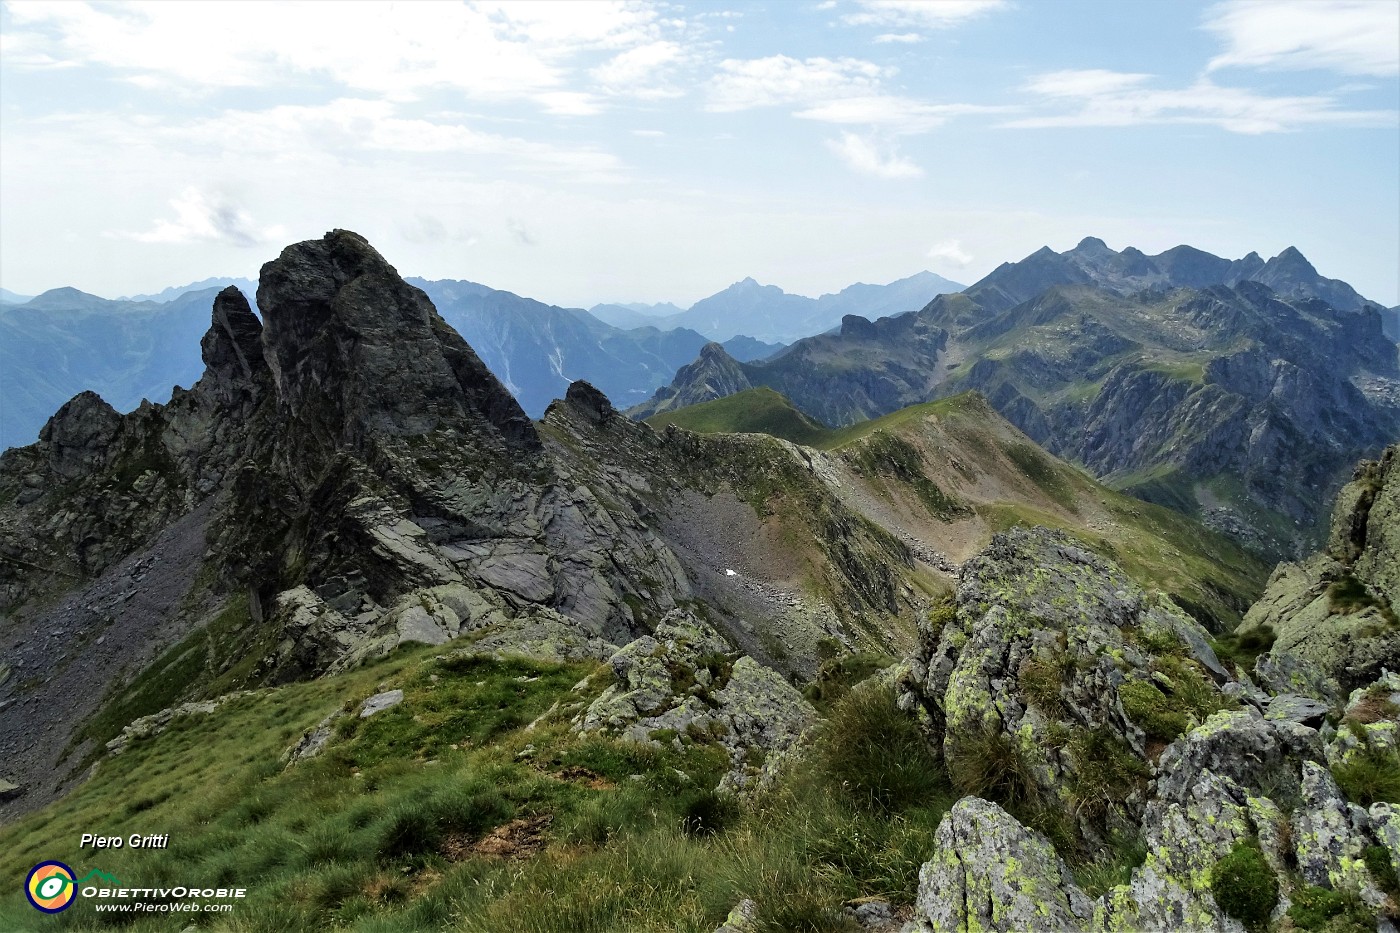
(1077, 712)
(684, 680)
(1335, 618)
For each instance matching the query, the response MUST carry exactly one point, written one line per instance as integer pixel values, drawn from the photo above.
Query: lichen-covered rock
(742, 919)
(685, 680)
(1339, 609)
(1330, 837)
(1385, 826)
(1243, 746)
(1282, 671)
(1185, 839)
(313, 741)
(542, 635)
(1045, 639)
(380, 702)
(1293, 708)
(990, 873)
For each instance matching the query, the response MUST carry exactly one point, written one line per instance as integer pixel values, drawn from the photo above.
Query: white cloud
(650, 134)
(899, 114)
(951, 251)
(869, 158)
(569, 103)
(1089, 82)
(200, 217)
(520, 234)
(1358, 37)
(1108, 98)
(487, 50)
(641, 72)
(345, 127)
(920, 13)
(425, 228)
(902, 38)
(778, 79)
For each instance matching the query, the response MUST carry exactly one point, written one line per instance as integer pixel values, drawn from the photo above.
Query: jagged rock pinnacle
(356, 351)
(232, 348)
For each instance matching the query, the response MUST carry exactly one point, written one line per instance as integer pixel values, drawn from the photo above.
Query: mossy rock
(1245, 886)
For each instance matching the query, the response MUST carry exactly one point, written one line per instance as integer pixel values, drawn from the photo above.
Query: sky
(580, 153)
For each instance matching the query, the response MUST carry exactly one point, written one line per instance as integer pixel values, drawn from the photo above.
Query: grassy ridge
(450, 812)
(937, 451)
(753, 411)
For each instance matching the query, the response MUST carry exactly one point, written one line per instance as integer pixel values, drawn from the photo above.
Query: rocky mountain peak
(714, 352)
(356, 351)
(853, 325)
(232, 349)
(591, 402)
(1294, 256)
(1092, 244)
(79, 434)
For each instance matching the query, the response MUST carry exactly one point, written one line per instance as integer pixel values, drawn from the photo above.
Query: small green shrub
(837, 675)
(1243, 648)
(1370, 775)
(1348, 594)
(1330, 911)
(418, 825)
(1244, 885)
(1109, 771)
(1149, 708)
(875, 753)
(707, 812)
(989, 765)
(1113, 867)
(1041, 682)
(1382, 869)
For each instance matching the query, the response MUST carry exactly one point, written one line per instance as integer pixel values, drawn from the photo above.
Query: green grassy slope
(450, 811)
(957, 460)
(753, 411)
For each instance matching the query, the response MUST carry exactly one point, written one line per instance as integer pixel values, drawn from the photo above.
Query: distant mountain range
(66, 341)
(1242, 391)
(537, 350)
(771, 314)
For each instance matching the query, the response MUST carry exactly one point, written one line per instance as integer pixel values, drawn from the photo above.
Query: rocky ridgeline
(1059, 692)
(349, 476)
(1240, 393)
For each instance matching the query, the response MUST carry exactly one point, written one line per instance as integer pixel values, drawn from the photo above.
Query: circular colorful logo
(50, 887)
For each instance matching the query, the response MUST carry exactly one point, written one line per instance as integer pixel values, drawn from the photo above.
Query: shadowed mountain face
(65, 341)
(1227, 400)
(538, 350)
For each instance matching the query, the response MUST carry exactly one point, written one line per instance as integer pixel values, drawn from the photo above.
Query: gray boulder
(1045, 638)
(380, 702)
(684, 680)
(991, 873)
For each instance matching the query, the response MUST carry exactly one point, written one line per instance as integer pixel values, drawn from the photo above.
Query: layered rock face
(1064, 699)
